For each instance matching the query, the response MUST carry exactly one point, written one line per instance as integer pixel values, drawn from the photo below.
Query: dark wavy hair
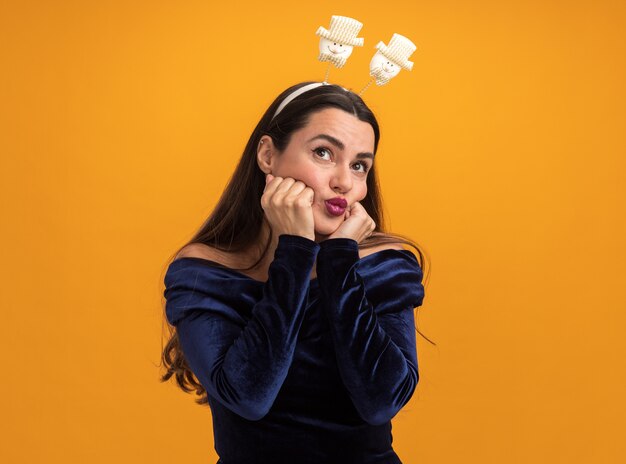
(237, 219)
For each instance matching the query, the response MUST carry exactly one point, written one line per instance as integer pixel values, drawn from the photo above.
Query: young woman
(291, 309)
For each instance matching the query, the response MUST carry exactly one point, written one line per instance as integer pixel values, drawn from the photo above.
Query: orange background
(502, 153)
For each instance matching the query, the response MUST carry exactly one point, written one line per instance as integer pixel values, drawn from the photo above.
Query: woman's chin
(326, 224)
(325, 230)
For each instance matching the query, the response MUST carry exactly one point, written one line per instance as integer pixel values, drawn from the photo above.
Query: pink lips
(336, 206)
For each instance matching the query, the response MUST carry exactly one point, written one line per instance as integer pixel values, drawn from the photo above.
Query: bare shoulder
(385, 246)
(200, 250)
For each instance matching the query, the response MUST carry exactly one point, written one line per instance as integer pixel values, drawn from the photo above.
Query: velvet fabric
(300, 370)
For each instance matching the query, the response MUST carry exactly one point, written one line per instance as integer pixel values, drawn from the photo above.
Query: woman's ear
(265, 154)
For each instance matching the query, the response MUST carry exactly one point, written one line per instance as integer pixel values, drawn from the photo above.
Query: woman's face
(332, 154)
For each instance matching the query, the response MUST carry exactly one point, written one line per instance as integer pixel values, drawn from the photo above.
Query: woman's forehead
(339, 125)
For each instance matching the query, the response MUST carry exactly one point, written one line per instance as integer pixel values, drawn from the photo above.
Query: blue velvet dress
(297, 370)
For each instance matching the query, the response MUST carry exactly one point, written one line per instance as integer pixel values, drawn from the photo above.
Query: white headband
(295, 93)
(298, 92)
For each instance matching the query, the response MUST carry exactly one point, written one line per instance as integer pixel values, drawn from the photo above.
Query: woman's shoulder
(363, 252)
(391, 271)
(388, 255)
(201, 278)
(208, 253)
(228, 260)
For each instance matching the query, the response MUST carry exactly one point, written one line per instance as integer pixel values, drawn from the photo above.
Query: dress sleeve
(373, 329)
(242, 362)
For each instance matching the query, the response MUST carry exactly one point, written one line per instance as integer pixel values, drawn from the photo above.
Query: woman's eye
(322, 151)
(363, 167)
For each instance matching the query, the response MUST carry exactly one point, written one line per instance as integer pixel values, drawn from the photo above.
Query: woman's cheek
(363, 191)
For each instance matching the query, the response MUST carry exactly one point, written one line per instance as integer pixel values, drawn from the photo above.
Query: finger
(356, 209)
(359, 210)
(309, 193)
(285, 185)
(296, 189)
(271, 186)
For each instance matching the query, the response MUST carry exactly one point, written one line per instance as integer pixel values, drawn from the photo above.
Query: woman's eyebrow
(338, 143)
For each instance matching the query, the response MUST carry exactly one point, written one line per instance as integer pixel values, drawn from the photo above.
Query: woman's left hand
(358, 225)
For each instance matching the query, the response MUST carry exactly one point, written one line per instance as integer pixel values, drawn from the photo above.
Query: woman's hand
(287, 204)
(358, 225)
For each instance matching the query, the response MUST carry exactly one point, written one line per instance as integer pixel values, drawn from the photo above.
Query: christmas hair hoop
(336, 45)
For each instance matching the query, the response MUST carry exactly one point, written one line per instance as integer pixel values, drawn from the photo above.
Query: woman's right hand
(288, 206)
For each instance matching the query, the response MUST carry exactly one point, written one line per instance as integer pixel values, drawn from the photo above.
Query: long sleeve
(242, 361)
(373, 329)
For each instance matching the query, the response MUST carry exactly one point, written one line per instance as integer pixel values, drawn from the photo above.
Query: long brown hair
(237, 219)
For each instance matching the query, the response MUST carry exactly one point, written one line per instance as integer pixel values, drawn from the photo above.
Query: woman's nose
(342, 179)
